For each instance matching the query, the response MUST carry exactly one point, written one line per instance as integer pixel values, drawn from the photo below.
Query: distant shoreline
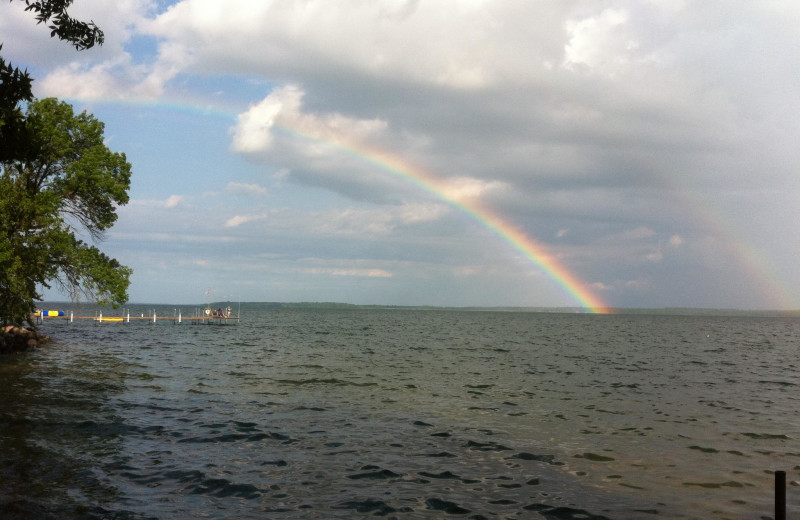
(663, 311)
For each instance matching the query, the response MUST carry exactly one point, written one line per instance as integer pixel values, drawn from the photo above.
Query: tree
(39, 201)
(67, 187)
(15, 85)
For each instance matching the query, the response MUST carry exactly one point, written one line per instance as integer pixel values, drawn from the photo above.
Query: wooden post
(780, 495)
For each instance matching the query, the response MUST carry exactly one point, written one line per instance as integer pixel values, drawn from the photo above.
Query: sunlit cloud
(238, 220)
(464, 188)
(598, 41)
(254, 131)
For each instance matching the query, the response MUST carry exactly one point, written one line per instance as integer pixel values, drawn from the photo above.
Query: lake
(371, 413)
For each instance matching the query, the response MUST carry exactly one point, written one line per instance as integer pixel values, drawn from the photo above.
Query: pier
(198, 317)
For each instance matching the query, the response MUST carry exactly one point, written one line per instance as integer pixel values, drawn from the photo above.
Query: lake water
(317, 414)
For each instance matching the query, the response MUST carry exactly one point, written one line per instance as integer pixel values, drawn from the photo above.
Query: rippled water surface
(403, 414)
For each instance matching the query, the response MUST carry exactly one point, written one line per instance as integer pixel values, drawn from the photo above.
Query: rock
(14, 339)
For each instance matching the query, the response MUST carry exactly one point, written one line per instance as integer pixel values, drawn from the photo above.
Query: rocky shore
(15, 339)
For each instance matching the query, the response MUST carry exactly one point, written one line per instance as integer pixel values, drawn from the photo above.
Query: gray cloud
(597, 120)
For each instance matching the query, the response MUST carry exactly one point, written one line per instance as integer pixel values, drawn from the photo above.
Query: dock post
(71, 316)
(100, 319)
(780, 495)
(128, 316)
(179, 316)
(154, 315)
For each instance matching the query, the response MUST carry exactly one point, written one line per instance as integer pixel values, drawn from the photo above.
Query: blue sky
(649, 146)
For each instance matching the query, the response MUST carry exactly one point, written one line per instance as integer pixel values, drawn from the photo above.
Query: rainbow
(752, 260)
(429, 182)
(487, 218)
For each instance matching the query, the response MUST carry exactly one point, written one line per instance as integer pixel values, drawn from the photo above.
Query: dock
(198, 317)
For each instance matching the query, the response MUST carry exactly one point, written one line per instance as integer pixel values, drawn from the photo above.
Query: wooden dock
(196, 318)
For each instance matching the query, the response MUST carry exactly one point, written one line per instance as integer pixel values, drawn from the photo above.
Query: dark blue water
(403, 414)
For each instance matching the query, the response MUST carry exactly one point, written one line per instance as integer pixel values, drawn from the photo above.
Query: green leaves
(82, 35)
(73, 160)
(15, 85)
(57, 178)
(69, 184)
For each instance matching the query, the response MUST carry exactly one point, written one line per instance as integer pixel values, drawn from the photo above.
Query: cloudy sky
(381, 151)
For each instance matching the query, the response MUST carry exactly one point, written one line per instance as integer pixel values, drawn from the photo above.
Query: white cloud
(245, 189)
(344, 222)
(238, 220)
(370, 273)
(173, 200)
(622, 131)
(102, 72)
(414, 213)
(655, 256)
(117, 78)
(598, 41)
(442, 43)
(467, 188)
(374, 222)
(281, 110)
(600, 286)
(170, 202)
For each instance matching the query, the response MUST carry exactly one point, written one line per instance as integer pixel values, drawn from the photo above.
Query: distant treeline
(351, 306)
(665, 311)
(669, 311)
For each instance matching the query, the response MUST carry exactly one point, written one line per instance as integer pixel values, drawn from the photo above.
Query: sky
(603, 153)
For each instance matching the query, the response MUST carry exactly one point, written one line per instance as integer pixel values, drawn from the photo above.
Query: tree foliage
(83, 35)
(15, 85)
(68, 186)
(57, 181)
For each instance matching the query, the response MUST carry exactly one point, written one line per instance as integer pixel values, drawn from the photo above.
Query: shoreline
(19, 339)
